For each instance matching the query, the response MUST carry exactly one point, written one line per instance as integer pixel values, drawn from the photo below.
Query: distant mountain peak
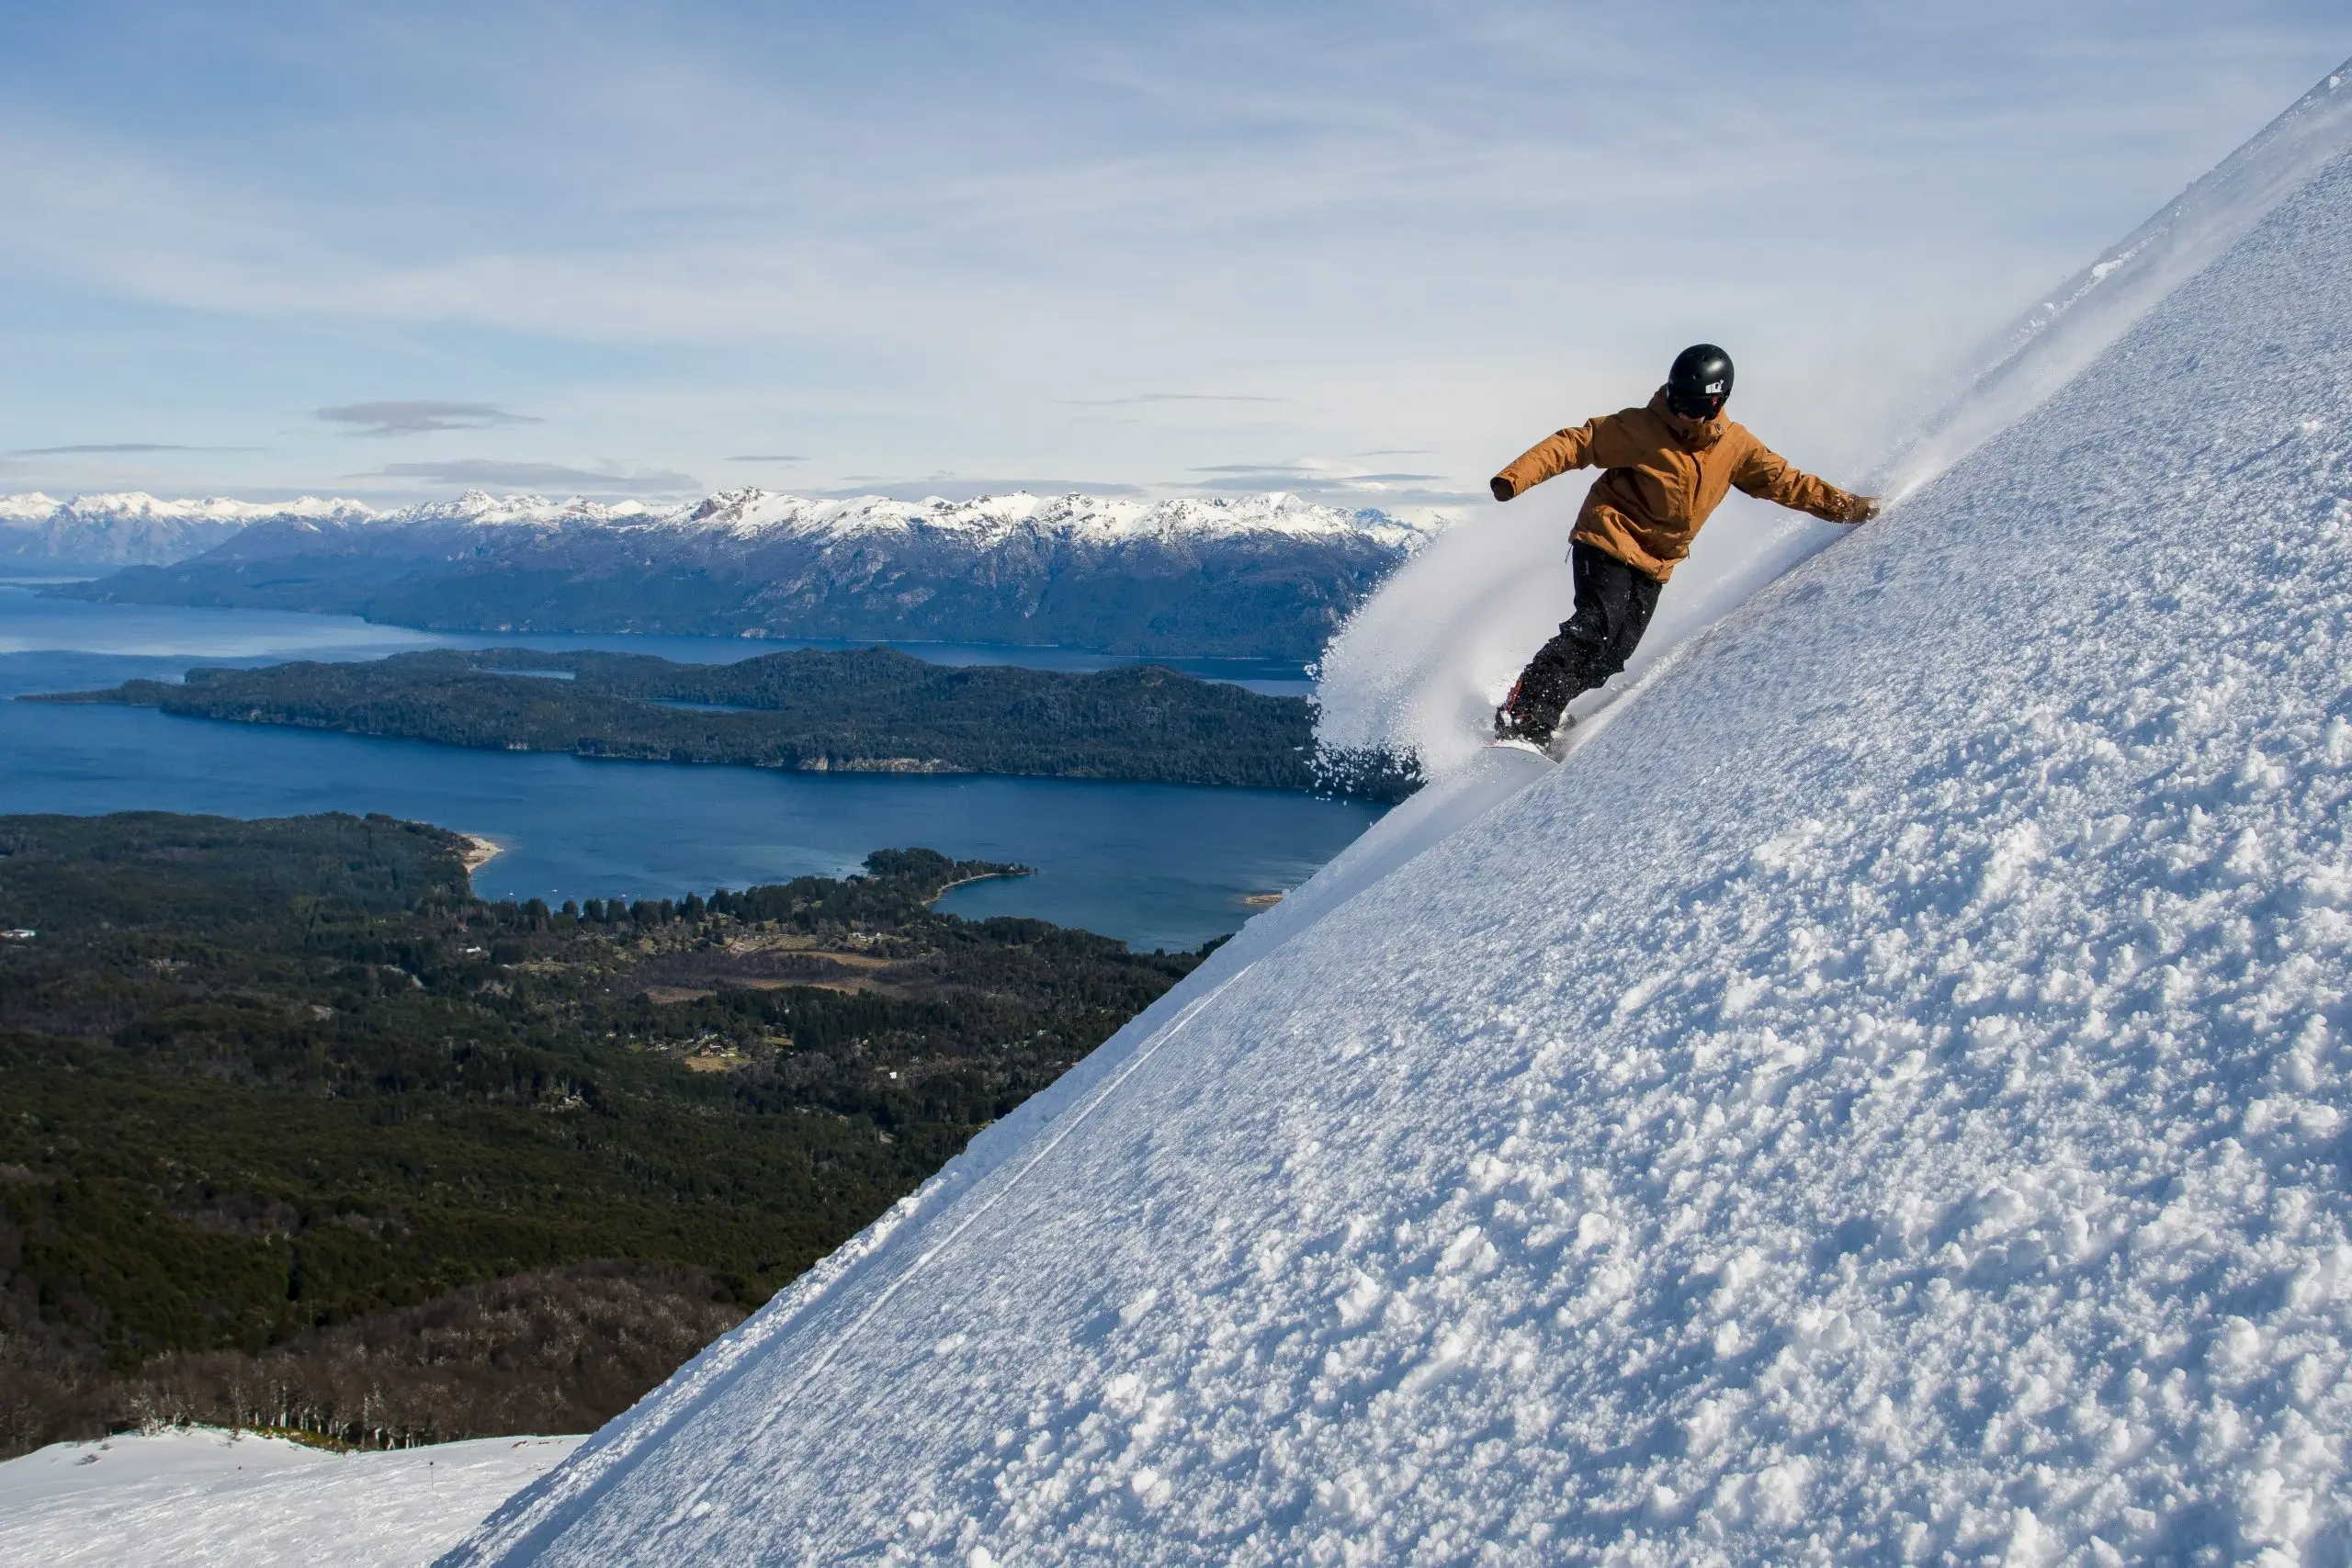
(123, 529)
(33, 506)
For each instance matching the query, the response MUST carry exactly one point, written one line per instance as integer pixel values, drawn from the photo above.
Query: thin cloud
(488, 472)
(767, 457)
(1274, 479)
(1385, 490)
(88, 448)
(1143, 398)
(1302, 474)
(419, 418)
(946, 486)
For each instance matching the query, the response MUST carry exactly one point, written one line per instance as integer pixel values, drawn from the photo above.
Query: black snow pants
(1614, 607)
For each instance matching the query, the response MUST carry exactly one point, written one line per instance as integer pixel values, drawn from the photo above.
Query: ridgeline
(871, 710)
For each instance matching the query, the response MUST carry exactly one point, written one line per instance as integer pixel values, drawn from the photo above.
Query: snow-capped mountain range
(1268, 575)
(96, 533)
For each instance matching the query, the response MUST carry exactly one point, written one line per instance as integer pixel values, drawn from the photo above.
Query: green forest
(298, 1133)
(868, 710)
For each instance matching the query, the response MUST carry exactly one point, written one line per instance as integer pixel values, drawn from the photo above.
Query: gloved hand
(1501, 487)
(1861, 510)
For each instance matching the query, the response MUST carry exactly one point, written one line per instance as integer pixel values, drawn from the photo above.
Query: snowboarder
(1667, 466)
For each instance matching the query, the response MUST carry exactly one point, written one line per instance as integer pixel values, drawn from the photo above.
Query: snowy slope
(1883, 1099)
(2051, 342)
(191, 1499)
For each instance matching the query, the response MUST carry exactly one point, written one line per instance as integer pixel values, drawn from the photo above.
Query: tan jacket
(1665, 476)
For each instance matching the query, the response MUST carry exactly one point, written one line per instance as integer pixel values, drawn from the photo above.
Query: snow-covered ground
(211, 1499)
(1885, 1097)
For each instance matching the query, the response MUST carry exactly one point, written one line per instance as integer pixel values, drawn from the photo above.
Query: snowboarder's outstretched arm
(1768, 475)
(1556, 454)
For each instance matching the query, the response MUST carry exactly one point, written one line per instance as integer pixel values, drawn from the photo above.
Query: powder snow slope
(1883, 1098)
(2051, 342)
(194, 1498)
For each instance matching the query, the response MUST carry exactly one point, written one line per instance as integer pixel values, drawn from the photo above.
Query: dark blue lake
(1156, 865)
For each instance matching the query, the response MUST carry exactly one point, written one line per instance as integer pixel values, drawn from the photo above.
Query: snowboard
(1557, 749)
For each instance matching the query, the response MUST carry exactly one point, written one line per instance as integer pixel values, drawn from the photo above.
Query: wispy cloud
(1142, 398)
(489, 472)
(1329, 484)
(420, 417)
(767, 457)
(1302, 474)
(93, 447)
(948, 487)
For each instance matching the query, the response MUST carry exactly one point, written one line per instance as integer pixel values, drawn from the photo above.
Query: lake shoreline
(984, 876)
(1154, 865)
(871, 711)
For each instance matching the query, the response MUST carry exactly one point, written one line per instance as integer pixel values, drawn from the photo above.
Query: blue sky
(1365, 251)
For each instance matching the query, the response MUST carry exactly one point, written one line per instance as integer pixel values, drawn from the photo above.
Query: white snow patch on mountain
(481, 507)
(748, 514)
(2051, 343)
(30, 506)
(1105, 519)
(33, 507)
(752, 512)
(1886, 1097)
(132, 528)
(982, 521)
(200, 1498)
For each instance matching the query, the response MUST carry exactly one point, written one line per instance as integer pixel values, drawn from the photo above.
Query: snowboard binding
(1523, 733)
(1511, 725)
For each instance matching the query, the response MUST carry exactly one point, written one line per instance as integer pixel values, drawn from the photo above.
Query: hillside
(871, 710)
(1883, 1099)
(300, 1133)
(1267, 575)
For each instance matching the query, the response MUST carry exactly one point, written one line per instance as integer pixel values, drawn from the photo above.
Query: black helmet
(1700, 383)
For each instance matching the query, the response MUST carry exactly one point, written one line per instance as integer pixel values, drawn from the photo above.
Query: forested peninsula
(869, 710)
(300, 1133)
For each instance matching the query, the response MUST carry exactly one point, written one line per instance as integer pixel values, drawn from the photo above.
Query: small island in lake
(869, 710)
